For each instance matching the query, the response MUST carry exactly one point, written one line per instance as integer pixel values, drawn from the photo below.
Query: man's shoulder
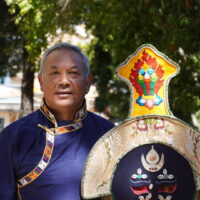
(100, 120)
(95, 126)
(98, 117)
(25, 121)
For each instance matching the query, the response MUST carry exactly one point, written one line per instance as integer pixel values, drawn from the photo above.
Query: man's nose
(64, 79)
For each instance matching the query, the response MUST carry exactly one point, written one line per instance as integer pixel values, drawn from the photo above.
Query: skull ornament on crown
(152, 155)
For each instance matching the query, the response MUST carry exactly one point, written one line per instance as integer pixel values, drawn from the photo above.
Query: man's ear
(40, 78)
(89, 82)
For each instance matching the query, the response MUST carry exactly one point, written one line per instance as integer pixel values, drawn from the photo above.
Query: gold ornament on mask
(152, 163)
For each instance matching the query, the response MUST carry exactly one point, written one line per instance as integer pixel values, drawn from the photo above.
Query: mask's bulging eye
(140, 189)
(167, 188)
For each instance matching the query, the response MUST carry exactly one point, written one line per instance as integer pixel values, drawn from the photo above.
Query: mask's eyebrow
(167, 181)
(140, 181)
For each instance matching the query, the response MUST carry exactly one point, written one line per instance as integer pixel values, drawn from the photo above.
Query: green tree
(119, 27)
(33, 27)
(11, 43)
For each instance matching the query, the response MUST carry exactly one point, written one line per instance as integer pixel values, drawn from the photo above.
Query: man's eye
(167, 188)
(53, 73)
(74, 72)
(140, 190)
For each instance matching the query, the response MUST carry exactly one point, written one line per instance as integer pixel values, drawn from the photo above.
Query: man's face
(64, 81)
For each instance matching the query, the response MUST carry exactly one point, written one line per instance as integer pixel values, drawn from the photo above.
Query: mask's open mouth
(140, 189)
(167, 188)
(164, 188)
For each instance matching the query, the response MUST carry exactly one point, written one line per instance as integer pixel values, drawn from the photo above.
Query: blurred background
(108, 31)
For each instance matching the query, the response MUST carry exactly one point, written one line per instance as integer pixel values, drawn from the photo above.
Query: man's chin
(68, 104)
(65, 104)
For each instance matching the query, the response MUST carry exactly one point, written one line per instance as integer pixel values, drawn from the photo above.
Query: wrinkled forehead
(64, 56)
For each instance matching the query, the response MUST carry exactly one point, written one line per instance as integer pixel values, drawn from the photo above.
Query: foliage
(11, 43)
(34, 29)
(119, 27)
(32, 23)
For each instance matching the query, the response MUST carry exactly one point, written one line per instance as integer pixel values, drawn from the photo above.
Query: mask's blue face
(153, 172)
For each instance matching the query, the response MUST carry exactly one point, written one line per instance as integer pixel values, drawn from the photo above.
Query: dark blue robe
(21, 148)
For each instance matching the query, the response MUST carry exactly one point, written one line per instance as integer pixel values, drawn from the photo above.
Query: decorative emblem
(147, 78)
(145, 198)
(159, 124)
(142, 125)
(147, 72)
(152, 163)
(165, 175)
(139, 175)
(162, 198)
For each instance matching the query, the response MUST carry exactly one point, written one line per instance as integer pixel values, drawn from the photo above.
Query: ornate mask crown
(127, 155)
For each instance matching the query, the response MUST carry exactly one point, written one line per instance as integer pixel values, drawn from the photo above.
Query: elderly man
(42, 155)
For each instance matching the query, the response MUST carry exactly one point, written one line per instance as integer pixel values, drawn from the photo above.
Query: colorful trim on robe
(50, 137)
(37, 171)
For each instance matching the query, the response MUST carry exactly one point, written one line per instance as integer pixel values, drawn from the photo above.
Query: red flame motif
(146, 58)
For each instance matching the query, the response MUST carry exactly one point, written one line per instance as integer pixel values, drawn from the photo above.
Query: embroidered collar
(76, 123)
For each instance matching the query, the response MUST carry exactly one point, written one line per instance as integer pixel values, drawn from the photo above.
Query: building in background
(10, 99)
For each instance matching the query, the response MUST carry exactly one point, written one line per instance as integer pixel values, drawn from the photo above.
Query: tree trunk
(27, 87)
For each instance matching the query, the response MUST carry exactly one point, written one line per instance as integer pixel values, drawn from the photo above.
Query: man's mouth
(64, 93)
